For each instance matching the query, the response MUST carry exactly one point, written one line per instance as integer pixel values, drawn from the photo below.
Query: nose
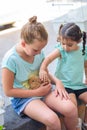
(68, 49)
(39, 52)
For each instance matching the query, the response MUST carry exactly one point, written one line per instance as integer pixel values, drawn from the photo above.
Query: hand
(43, 75)
(44, 89)
(62, 93)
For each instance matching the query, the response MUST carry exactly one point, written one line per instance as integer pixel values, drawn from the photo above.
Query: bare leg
(65, 107)
(83, 97)
(74, 101)
(39, 111)
(85, 117)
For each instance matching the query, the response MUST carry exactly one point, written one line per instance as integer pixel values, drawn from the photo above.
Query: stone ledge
(14, 122)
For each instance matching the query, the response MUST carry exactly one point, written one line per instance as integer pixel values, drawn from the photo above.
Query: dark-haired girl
(71, 54)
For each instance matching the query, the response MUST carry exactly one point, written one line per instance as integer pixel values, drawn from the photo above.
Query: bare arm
(59, 90)
(43, 69)
(10, 91)
(85, 66)
(52, 56)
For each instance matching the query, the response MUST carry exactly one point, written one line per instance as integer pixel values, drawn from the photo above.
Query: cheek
(34, 53)
(28, 51)
(66, 48)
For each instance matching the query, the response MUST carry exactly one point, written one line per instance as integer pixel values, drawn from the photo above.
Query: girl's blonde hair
(33, 30)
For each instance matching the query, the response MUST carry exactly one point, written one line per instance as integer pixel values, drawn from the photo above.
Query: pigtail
(59, 33)
(84, 42)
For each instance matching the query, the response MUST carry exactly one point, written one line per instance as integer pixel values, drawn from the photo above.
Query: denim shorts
(20, 103)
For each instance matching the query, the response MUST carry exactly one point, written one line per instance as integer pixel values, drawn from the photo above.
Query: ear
(23, 43)
(79, 40)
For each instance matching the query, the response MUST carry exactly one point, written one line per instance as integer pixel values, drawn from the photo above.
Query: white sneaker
(84, 126)
(79, 125)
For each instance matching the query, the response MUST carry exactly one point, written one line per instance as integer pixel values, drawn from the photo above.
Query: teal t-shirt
(22, 69)
(70, 68)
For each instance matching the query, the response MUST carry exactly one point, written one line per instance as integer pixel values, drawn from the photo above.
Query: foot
(79, 125)
(84, 126)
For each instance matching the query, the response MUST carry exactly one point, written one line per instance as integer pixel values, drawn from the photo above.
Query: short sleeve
(85, 57)
(9, 63)
(62, 51)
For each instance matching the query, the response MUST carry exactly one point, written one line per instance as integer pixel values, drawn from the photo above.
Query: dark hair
(84, 42)
(33, 30)
(59, 31)
(73, 32)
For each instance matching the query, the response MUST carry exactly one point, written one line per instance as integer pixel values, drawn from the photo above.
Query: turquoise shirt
(22, 69)
(70, 68)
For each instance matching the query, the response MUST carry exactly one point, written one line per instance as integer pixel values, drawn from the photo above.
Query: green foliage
(1, 127)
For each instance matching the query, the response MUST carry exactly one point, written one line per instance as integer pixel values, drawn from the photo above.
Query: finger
(60, 94)
(42, 77)
(56, 93)
(66, 95)
(46, 77)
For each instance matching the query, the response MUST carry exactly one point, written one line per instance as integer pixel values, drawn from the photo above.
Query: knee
(72, 111)
(53, 122)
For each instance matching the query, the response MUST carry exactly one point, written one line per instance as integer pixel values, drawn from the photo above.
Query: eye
(35, 50)
(33, 80)
(63, 43)
(70, 45)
